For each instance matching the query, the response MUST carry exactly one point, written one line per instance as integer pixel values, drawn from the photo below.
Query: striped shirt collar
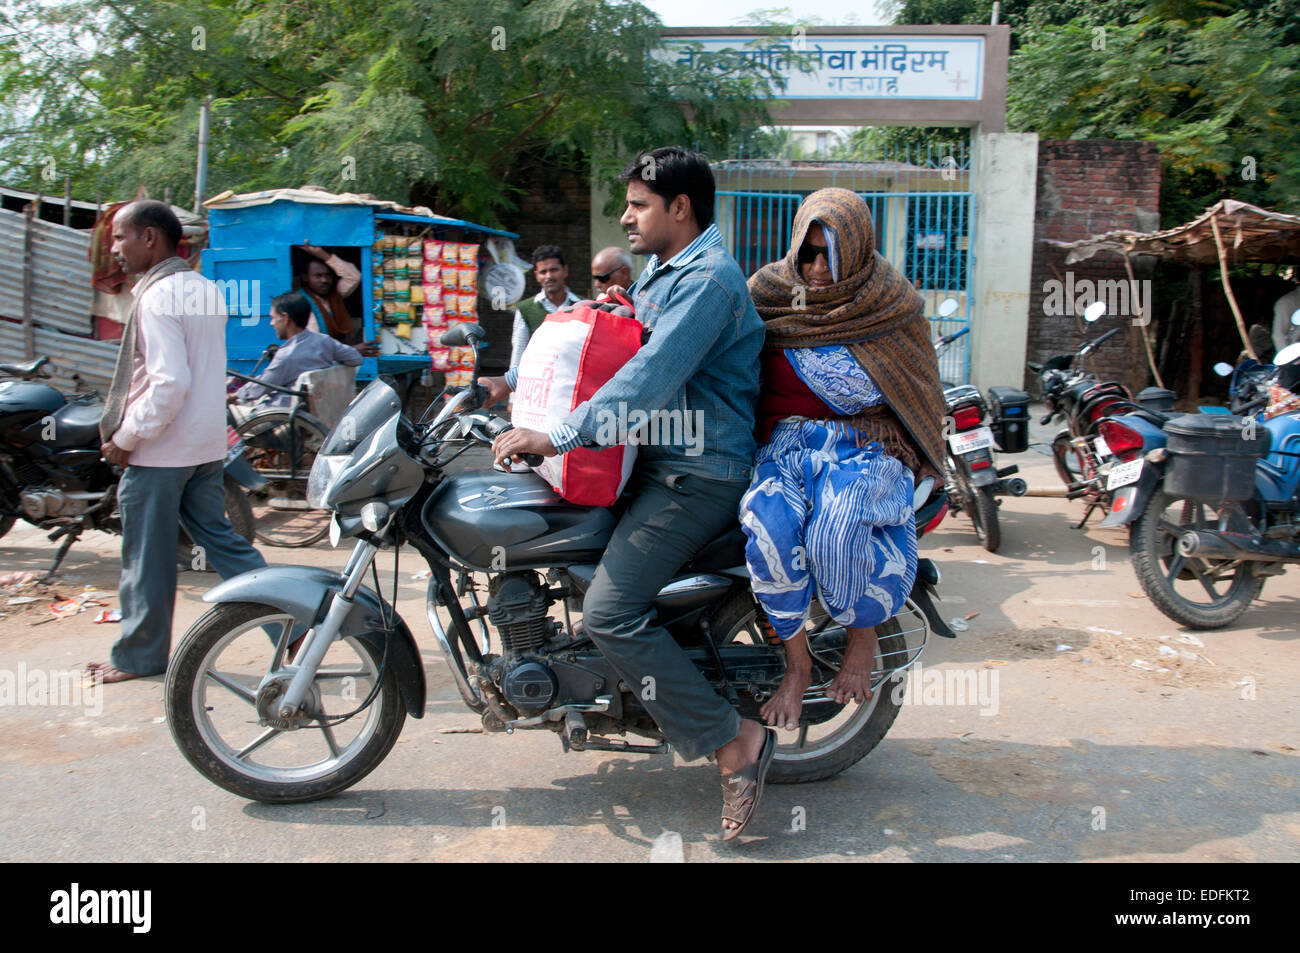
(545, 302)
(707, 239)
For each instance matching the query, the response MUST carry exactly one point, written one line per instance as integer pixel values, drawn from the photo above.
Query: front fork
(319, 638)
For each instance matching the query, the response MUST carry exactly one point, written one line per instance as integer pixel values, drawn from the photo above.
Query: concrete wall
(1005, 166)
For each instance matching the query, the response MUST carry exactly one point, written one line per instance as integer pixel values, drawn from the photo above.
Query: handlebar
(299, 392)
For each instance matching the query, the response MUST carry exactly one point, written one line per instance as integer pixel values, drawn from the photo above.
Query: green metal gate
(922, 206)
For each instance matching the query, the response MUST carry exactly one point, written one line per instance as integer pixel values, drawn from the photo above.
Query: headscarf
(872, 309)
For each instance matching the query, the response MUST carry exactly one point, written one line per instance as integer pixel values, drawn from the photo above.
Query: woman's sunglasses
(808, 253)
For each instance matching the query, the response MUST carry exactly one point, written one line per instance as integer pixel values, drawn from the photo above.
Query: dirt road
(1101, 731)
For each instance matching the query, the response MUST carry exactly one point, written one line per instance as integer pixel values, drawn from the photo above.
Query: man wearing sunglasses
(612, 267)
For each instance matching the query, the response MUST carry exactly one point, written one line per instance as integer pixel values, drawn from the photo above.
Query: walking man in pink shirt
(165, 422)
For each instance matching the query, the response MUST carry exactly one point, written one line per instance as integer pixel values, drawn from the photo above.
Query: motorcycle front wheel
(217, 700)
(1195, 591)
(814, 752)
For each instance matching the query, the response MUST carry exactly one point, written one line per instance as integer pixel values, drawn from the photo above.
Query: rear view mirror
(1295, 317)
(1288, 354)
(1223, 369)
(1094, 311)
(462, 335)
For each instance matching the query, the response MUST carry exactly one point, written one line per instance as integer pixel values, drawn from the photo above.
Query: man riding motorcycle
(701, 356)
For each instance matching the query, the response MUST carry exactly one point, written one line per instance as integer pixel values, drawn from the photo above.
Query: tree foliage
(1214, 83)
(453, 102)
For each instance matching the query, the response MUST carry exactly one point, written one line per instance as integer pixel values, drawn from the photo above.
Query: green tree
(1221, 100)
(458, 103)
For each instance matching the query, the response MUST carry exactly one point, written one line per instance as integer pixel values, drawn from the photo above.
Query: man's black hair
(543, 252)
(295, 306)
(148, 213)
(670, 171)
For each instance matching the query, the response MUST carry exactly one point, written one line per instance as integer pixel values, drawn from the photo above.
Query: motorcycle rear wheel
(845, 739)
(1172, 580)
(281, 448)
(211, 697)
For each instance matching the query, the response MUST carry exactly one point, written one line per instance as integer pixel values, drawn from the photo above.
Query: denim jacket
(698, 370)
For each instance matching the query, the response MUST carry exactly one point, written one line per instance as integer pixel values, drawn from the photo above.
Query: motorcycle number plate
(1124, 474)
(977, 439)
(1102, 450)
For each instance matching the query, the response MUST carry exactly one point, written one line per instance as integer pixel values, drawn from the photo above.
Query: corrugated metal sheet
(81, 364)
(61, 291)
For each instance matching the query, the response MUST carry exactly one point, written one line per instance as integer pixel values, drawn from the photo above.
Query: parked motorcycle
(276, 726)
(51, 471)
(974, 481)
(1081, 401)
(1214, 511)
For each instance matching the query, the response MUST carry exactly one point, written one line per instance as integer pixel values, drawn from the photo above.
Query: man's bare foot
(105, 673)
(853, 683)
(740, 753)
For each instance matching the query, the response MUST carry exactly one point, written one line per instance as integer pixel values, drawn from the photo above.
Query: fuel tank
(1277, 477)
(491, 520)
(23, 403)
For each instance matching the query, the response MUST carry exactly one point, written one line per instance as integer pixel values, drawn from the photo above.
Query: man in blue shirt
(700, 368)
(302, 351)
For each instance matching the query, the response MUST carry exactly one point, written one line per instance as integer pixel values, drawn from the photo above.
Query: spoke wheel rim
(238, 740)
(1189, 576)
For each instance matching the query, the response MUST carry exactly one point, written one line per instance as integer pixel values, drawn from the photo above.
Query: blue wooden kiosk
(250, 238)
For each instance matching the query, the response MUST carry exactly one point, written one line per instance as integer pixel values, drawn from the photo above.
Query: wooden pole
(1142, 326)
(1196, 346)
(67, 200)
(1227, 288)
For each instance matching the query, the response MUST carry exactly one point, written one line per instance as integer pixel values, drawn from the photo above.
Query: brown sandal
(741, 791)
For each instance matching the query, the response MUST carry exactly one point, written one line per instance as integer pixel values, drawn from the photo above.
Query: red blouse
(784, 394)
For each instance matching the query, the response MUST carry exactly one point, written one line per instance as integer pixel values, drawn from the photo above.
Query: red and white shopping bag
(574, 352)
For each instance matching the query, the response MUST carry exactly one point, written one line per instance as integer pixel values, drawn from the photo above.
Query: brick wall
(1087, 187)
(557, 211)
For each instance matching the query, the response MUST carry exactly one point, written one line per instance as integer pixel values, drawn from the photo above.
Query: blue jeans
(152, 500)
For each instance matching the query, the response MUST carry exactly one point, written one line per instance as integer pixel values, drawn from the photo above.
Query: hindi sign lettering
(850, 67)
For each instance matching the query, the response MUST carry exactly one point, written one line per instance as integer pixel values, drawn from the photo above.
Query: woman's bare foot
(783, 708)
(853, 683)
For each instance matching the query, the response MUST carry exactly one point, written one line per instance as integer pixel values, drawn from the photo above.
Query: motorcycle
(280, 725)
(973, 480)
(1081, 401)
(1213, 510)
(51, 471)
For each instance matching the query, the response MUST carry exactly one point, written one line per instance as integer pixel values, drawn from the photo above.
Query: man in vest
(551, 273)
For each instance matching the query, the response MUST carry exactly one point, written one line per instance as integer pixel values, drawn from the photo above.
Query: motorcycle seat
(25, 368)
(725, 552)
(76, 424)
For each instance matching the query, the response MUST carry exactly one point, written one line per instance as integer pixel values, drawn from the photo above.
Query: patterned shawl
(872, 309)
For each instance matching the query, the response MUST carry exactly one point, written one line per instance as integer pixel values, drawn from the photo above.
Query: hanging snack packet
(432, 272)
(450, 278)
(467, 280)
(451, 305)
(468, 306)
(468, 256)
(450, 254)
(433, 250)
(440, 356)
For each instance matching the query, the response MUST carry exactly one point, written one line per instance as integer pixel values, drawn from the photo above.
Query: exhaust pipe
(1215, 545)
(1015, 486)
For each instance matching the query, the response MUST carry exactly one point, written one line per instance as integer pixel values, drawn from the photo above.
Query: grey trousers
(662, 528)
(152, 500)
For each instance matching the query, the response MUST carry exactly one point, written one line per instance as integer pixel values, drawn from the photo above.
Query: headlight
(323, 472)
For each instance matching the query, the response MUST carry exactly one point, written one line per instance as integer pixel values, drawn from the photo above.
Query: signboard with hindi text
(822, 66)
